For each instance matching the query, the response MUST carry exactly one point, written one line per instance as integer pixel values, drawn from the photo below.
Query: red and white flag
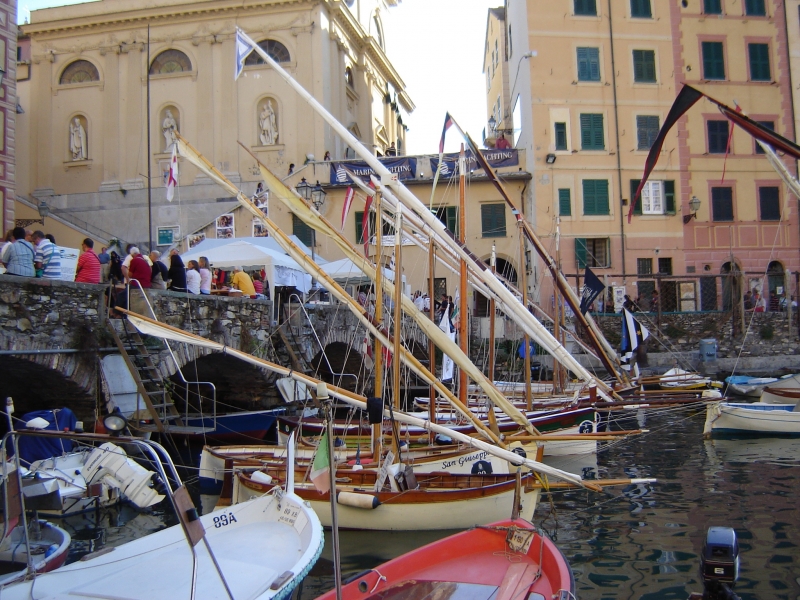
(172, 174)
(348, 201)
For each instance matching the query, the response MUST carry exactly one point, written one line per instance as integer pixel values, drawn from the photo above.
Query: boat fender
(358, 468)
(51, 549)
(261, 477)
(366, 501)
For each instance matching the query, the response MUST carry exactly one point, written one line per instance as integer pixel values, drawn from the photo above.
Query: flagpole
(149, 155)
(324, 399)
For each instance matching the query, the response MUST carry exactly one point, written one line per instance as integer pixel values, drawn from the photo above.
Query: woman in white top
(192, 277)
(205, 276)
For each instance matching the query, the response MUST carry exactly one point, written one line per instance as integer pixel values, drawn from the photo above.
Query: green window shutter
(588, 64)
(303, 232)
(601, 193)
(451, 215)
(360, 227)
(637, 210)
(592, 137)
(712, 7)
(641, 9)
(759, 62)
(564, 202)
(644, 66)
(580, 252)
(493, 220)
(669, 197)
(646, 131)
(713, 60)
(585, 7)
(755, 8)
(595, 197)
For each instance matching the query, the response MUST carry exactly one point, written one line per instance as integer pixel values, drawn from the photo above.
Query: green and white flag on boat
(322, 463)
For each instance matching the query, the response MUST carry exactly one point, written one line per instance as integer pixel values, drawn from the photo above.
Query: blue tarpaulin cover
(38, 448)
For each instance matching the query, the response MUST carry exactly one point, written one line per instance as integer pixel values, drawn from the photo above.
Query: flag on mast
(244, 46)
(633, 335)
(172, 174)
(448, 122)
(365, 233)
(348, 201)
(592, 288)
(322, 462)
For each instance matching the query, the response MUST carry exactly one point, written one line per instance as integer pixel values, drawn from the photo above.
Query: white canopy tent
(346, 273)
(281, 270)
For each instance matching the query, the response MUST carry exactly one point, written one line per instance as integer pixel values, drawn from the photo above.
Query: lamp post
(304, 189)
(694, 206)
(318, 196)
(43, 209)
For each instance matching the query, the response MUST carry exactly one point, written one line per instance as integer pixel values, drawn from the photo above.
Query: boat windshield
(440, 590)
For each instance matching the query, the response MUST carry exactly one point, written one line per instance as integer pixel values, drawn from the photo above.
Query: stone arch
(275, 49)
(170, 61)
(262, 139)
(775, 276)
(505, 269)
(79, 71)
(377, 30)
(730, 285)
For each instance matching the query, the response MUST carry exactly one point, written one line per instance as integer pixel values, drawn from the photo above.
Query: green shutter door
(669, 197)
(580, 252)
(564, 203)
(637, 210)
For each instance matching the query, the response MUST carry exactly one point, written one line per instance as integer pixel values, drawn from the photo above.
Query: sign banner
(496, 158)
(404, 167)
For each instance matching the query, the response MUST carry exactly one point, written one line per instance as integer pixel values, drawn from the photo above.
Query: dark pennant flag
(633, 335)
(592, 288)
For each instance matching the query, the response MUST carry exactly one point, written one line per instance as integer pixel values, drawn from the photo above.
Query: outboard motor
(719, 564)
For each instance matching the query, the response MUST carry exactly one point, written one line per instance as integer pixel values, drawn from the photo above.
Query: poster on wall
(225, 226)
(619, 298)
(259, 229)
(195, 239)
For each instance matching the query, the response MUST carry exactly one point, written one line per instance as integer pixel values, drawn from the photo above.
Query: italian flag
(320, 469)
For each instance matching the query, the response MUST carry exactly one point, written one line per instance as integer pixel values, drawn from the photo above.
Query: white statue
(77, 140)
(268, 125)
(169, 127)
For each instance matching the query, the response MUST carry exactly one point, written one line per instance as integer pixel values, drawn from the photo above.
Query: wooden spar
(463, 340)
(312, 217)
(431, 345)
(559, 377)
(162, 330)
(398, 319)
(377, 433)
(493, 265)
(334, 288)
(601, 482)
(604, 350)
(523, 271)
(526, 320)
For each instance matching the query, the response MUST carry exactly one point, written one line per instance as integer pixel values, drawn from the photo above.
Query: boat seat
(517, 581)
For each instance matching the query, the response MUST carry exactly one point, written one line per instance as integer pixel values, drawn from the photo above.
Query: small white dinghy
(258, 550)
(752, 418)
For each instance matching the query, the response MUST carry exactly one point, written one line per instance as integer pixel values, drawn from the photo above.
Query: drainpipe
(619, 151)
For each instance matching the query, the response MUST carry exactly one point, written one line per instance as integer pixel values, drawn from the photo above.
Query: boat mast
(463, 342)
(377, 429)
(398, 320)
(523, 269)
(431, 345)
(149, 154)
(558, 316)
(489, 408)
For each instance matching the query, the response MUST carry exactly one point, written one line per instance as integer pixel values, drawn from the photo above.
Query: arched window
(170, 61)
(274, 48)
(80, 71)
(348, 77)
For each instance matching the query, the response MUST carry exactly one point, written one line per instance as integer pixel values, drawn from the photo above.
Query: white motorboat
(756, 418)
(749, 386)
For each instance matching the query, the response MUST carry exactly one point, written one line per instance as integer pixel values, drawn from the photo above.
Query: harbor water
(629, 542)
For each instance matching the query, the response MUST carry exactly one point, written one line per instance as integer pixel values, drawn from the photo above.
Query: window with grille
(712, 7)
(713, 60)
(592, 252)
(449, 216)
(646, 131)
(564, 202)
(273, 48)
(722, 204)
(595, 197)
(493, 220)
(561, 136)
(665, 266)
(644, 266)
(585, 7)
(592, 136)
(79, 71)
(755, 8)
(170, 61)
(717, 137)
(769, 201)
(641, 9)
(303, 232)
(769, 125)
(588, 64)
(759, 62)
(644, 66)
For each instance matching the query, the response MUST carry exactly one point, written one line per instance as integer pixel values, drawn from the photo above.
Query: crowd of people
(28, 253)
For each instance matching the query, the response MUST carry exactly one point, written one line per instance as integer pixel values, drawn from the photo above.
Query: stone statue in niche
(169, 127)
(268, 125)
(77, 140)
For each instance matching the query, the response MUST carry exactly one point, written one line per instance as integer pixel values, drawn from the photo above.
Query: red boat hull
(477, 561)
